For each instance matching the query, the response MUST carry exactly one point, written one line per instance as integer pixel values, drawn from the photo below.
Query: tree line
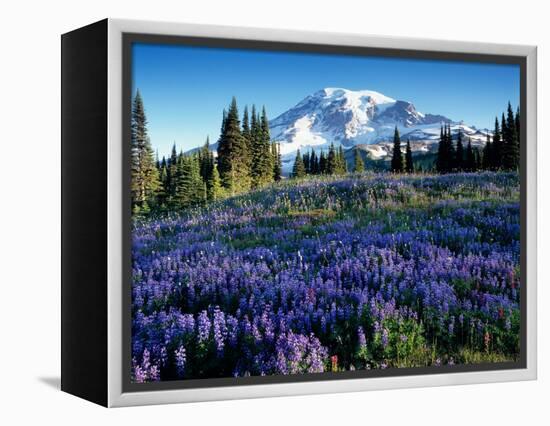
(501, 151)
(332, 162)
(246, 159)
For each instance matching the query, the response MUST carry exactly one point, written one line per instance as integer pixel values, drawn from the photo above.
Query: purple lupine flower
(220, 330)
(385, 337)
(146, 371)
(181, 358)
(451, 327)
(203, 327)
(361, 337)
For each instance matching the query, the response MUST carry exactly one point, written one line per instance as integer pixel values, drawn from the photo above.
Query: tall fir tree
(246, 129)
(518, 121)
(332, 161)
(145, 182)
(224, 152)
(440, 161)
(172, 175)
(305, 159)
(342, 165)
(205, 160)
(358, 163)
(298, 170)
(190, 187)
(256, 148)
(397, 157)
(314, 163)
(488, 157)
(206, 165)
(163, 178)
(470, 164)
(233, 156)
(183, 182)
(503, 135)
(214, 186)
(323, 163)
(459, 154)
(518, 135)
(477, 160)
(446, 153)
(510, 155)
(494, 162)
(451, 152)
(267, 157)
(409, 166)
(277, 162)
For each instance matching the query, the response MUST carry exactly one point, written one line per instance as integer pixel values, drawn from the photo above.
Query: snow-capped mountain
(364, 117)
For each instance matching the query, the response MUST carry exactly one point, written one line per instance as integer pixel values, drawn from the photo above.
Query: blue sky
(185, 88)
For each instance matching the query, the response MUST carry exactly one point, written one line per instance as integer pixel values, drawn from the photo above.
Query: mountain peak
(348, 117)
(339, 92)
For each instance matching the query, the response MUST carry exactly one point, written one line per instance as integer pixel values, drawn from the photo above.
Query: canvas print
(299, 213)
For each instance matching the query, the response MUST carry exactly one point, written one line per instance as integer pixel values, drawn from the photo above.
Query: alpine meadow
(350, 232)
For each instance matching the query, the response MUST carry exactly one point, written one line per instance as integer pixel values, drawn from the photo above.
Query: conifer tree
(305, 159)
(190, 187)
(358, 163)
(409, 166)
(298, 170)
(510, 155)
(199, 190)
(494, 162)
(145, 175)
(503, 133)
(488, 160)
(214, 187)
(459, 154)
(183, 182)
(246, 129)
(518, 124)
(342, 166)
(451, 152)
(446, 154)
(206, 165)
(323, 163)
(267, 158)
(314, 163)
(397, 157)
(477, 160)
(518, 135)
(470, 157)
(332, 161)
(172, 173)
(440, 161)
(256, 148)
(163, 177)
(205, 160)
(224, 153)
(233, 158)
(277, 162)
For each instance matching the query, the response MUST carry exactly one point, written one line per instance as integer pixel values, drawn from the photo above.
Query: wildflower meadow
(330, 273)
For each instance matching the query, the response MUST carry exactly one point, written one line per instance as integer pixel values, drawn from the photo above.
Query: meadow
(363, 271)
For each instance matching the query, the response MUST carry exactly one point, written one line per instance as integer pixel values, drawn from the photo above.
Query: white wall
(29, 231)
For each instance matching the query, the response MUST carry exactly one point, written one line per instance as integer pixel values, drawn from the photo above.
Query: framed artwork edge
(116, 394)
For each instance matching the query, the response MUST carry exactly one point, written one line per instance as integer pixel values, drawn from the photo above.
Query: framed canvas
(251, 213)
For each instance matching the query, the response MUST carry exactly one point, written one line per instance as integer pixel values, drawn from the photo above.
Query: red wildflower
(334, 361)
